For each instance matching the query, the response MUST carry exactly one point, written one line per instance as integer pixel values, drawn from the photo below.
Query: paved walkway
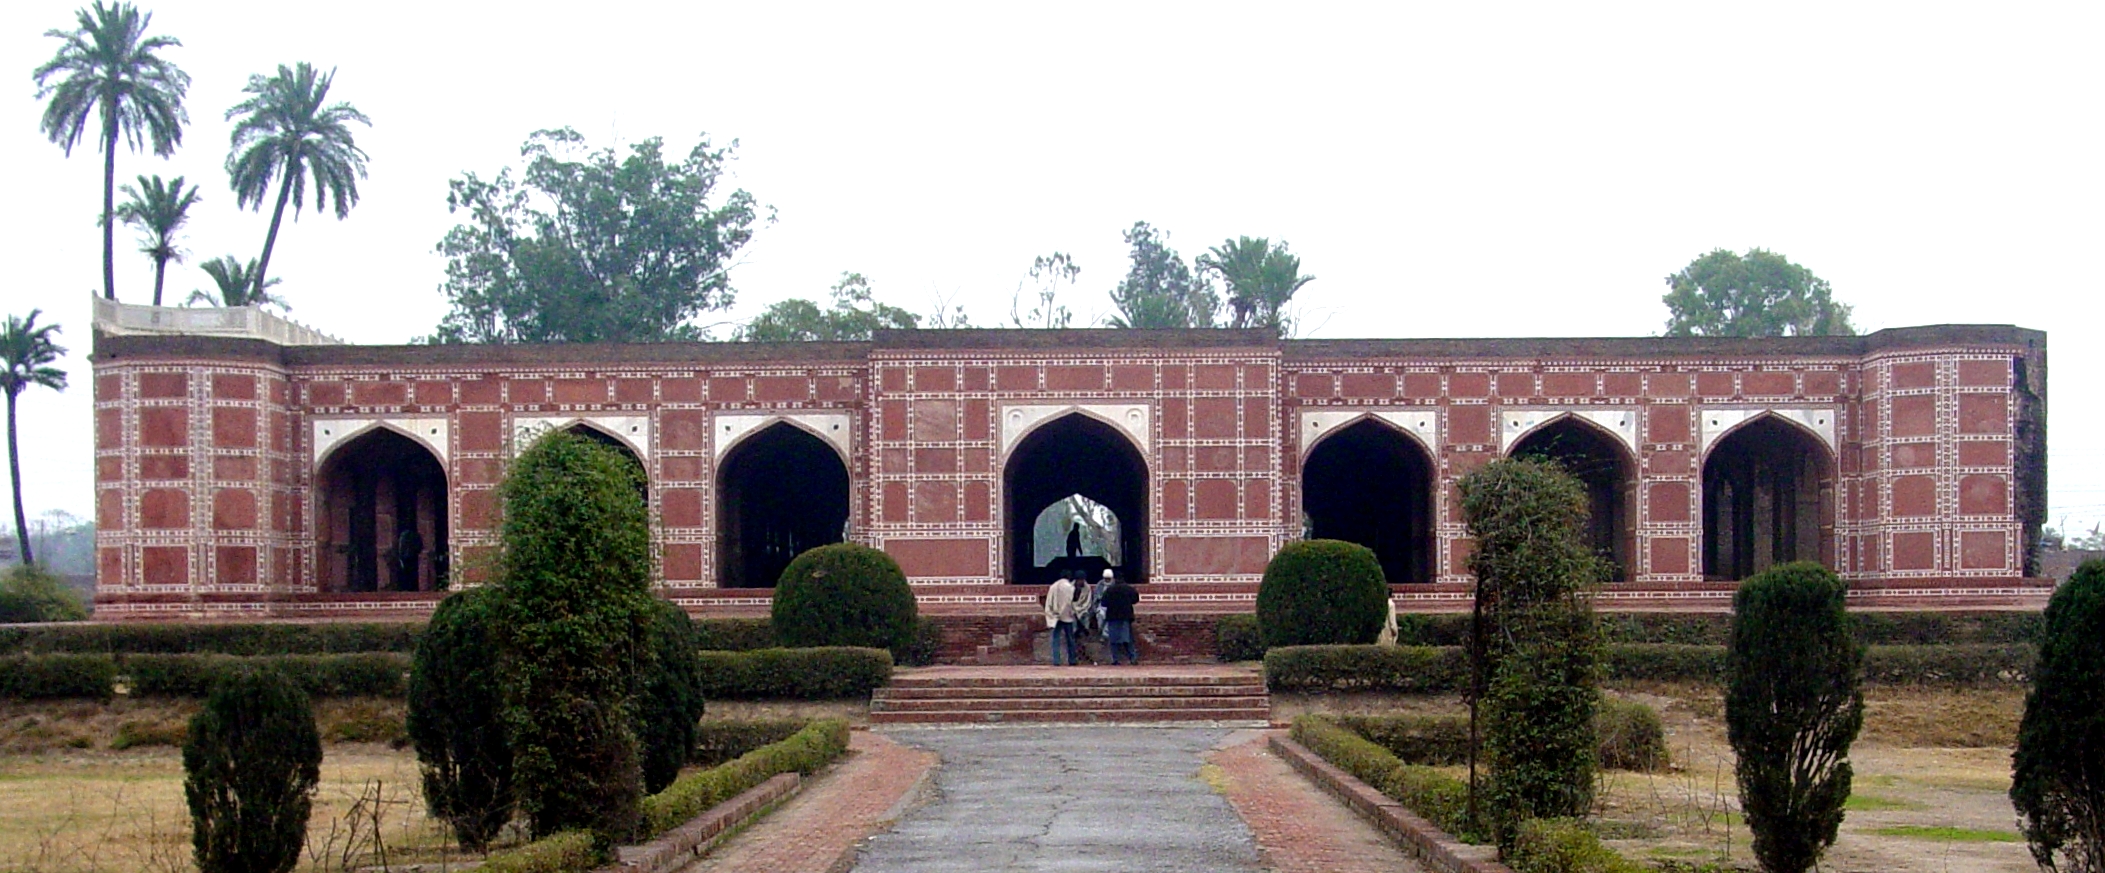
(816, 831)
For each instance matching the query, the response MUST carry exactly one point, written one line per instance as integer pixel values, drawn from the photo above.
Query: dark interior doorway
(1768, 497)
(1370, 484)
(1599, 463)
(382, 516)
(781, 491)
(1075, 455)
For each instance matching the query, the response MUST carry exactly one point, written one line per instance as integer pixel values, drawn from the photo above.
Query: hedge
(1628, 734)
(48, 677)
(693, 794)
(734, 634)
(1562, 845)
(1236, 638)
(373, 674)
(797, 674)
(1440, 798)
(224, 639)
(1663, 662)
(1413, 669)
(717, 740)
(567, 852)
(1976, 664)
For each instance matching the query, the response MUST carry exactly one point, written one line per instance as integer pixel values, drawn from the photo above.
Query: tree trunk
(160, 272)
(109, 205)
(271, 241)
(14, 469)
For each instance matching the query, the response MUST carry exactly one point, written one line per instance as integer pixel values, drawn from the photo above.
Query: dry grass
(124, 723)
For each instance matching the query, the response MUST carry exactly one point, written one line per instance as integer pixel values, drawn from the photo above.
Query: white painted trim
(730, 429)
(1022, 418)
(432, 432)
(1618, 421)
(1419, 422)
(1713, 424)
(633, 431)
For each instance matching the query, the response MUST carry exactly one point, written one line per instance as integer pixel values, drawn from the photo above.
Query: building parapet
(247, 322)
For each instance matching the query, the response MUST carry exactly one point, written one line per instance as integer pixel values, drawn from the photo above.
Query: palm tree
(108, 66)
(286, 133)
(26, 351)
(237, 285)
(1261, 278)
(159, 208)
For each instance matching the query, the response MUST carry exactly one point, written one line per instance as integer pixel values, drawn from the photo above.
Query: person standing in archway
(1118, 599)
(1060, 603)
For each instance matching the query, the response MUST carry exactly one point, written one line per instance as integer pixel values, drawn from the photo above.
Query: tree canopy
(27, 353)
(234, 284)
(1160, 290)
(855, 315)
(1261, 277)
(290, 133)
(592, 246)
(1050, 272)
(1759, 294)
(158, 208)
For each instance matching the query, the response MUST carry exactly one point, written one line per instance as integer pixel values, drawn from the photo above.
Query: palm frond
(107, 66)
(26, 354)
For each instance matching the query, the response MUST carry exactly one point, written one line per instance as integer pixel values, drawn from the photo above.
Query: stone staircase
(1073, 695)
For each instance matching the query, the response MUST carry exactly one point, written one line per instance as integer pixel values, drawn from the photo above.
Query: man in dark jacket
(1118, 599)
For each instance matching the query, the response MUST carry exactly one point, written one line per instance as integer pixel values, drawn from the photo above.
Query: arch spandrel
(1420, 423)
(434, 433)
(633, 431)
(1131, 419)
(1714, 423)
(832, 428)
(1619, 422)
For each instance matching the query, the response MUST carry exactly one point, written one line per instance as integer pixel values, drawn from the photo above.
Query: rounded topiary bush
(844, 595)
(1322, 592)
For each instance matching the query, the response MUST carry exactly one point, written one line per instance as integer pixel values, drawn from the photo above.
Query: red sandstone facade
(237, 477)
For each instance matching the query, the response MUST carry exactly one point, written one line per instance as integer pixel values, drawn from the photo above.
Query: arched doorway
(780, 492)
(1075, 456)
(1768, 499)
(613, 442)
(382, 516)
(1368, 483)
(1599, 462)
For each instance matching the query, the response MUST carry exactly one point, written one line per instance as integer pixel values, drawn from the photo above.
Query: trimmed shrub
(927, 645)
(671, 700)
(30, 593)
(734, 634)
(1438, 797)
(805, 751)
(1663, 662)
(794, 674)
(374, 674)
(717, 740)
(572, 623)
(455, 721)
(2058, 782)
(1410, 669)
(567, 852)
(258, 638)
(1667, 628)
(844, 594)
(1792, 709)
(1563, 845)
(50, 677)
(1949, 665)
(1629, 736)
(1432, 740)
(1236, 638)
(1322, 592)
(250, 764)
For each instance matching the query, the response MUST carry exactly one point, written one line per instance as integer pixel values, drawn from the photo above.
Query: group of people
(1075, 607)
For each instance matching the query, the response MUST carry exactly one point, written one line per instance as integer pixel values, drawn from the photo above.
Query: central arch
(382, 516)
(1368, 483)
(1074, 454)
(1598, 461)
(1768, 499)
(780, 492)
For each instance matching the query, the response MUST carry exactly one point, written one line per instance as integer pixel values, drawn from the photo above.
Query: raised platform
(1085, 694)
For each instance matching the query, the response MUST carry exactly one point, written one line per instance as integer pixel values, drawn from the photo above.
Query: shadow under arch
(1371, 483)
(380, 514)
(780, 491)
(1074, 454)
(1768, 499)
(1601, 464)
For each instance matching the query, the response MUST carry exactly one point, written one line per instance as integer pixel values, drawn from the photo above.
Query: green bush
(734, 634)
(1438, 797)
(256, 638)
(1431, 740)
(927, 646)
(794, 674)
(717, 740)
(1965, 664)
(1629, 736)
(805, 751)
(1666, 628)
(1663, 662)
(2058, 782)
(373, 674)
(844, 594)
(1322, 592)
(49, 677)
(566, 852)
(1236, 638)
(1410, 669)
(1562, 845)
(251, 763)
(29, 593)
(1792, 709)
(671, 700)
(455, 721)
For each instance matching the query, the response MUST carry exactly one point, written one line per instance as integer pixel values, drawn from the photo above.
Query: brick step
(1015, 716)
(1102, 704)
(1042, 681)
(1065, 691)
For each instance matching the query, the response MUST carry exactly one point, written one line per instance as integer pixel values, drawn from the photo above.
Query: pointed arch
(381, 514)
(781, 490)
(1768, 497)
(1371, 482)
(332, 434)
(1604, 465)
(1068, 454)
(831, 428)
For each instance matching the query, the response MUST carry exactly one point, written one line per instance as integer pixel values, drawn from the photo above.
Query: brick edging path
(1430, 845)
(681, 845)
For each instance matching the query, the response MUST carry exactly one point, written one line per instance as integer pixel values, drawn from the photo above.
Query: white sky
(1446, 170)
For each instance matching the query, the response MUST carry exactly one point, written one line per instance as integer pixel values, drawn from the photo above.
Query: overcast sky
(1448, 170)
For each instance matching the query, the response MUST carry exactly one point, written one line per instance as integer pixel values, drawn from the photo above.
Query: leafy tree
(2058, 778)
(573, 624)
(855, 315)
(844, 594)
(160, 208)
(1322, 592)
(1050, 272)
(591, 246)
(455, 723)
(1761, 294)
(1792, 709)
(289, 133)
(110, 67)
(947, 315)
(250, 766)
(235, 285)
(29, 593)
(27, 353)
(1159, 290)
(671, 703)
(1534, 644)
(1261, 278)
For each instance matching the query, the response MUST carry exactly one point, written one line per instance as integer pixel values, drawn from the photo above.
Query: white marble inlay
(1129, 418)
(633, 431)
(433, 432)
(1715, 423)
(1421, 423)
(833, 427)
(1517, 423)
